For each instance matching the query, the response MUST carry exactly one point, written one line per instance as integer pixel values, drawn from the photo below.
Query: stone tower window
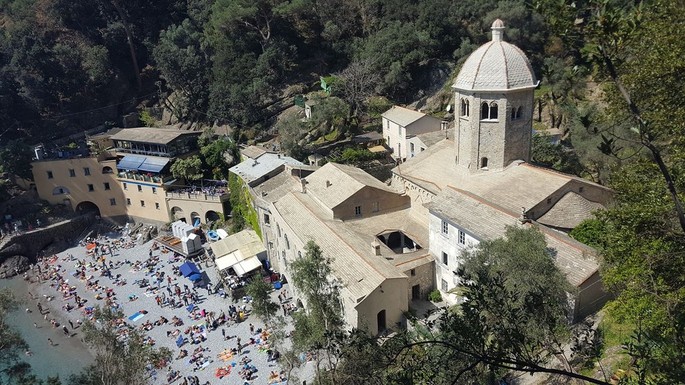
(493, 110)
(515, 113)
(464, 107)
(483, 162)
(488, 111)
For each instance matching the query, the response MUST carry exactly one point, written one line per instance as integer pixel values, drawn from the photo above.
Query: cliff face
(17, 252)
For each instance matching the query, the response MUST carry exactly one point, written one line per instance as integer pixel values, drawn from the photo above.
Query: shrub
(435, 296)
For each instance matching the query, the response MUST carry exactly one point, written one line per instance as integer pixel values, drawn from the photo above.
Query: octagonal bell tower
(494, 94)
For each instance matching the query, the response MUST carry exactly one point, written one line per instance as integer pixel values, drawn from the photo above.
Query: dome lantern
(497, 30)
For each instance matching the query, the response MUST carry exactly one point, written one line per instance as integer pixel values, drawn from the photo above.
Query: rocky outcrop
(14, 265)
(18, 252)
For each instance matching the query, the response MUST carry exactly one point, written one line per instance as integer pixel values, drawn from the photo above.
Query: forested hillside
(76, 64)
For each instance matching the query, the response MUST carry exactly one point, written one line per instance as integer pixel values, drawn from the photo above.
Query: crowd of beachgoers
(214, 338)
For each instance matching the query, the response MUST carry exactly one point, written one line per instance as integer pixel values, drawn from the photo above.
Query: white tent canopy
(247, 265)
(239, 251)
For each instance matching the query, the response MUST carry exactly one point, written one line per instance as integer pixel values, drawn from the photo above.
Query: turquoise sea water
(67, 357)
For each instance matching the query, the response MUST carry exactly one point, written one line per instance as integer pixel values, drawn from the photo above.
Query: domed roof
(496, 66)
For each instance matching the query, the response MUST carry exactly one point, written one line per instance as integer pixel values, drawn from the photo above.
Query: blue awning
(130, 162)
(153, 164)
(188, 269)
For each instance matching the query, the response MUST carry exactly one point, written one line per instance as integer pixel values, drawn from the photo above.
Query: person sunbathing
(182, 354)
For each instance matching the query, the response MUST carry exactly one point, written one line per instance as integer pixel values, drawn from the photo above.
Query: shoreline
(206, 346)
(45, 360)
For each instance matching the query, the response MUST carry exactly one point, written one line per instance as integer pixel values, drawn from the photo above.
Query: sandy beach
(150, 307)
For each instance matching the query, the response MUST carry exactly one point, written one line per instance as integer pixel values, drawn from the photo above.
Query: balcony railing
(143, 177)
(197, 196)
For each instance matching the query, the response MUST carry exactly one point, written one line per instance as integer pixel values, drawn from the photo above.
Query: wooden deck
(174, 244)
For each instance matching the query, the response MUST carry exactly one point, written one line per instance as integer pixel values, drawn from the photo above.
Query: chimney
(376, 248)
(524, 216)
(279, 156)
(303, 183)
(255, 163)
(328, 183)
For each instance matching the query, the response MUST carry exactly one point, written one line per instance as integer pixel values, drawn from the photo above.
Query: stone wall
(19, 251)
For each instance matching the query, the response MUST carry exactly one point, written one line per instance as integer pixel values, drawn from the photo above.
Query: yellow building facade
(82, 184)
(131, 181)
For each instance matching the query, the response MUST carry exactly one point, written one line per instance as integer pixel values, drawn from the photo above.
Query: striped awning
(142, 163)
(130, 162)
(153, 164)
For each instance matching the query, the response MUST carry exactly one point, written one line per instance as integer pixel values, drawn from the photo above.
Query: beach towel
(136, 316)
(180, 341)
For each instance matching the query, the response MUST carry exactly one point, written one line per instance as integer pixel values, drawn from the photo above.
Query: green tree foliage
(356, 156)
(117, 361)
(635, 49)
(63, 61)
(228, 60)
(183, 62)
(555, 155)
(322, 320)
(329, 114)
(242, 210)
(643, 251)
(262, 305)
(188, 169)
(15, 158)
(251, 56)
(220, 154)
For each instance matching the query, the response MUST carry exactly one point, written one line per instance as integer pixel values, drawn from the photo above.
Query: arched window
(483, 162)
(513, 113)
(488, 111)
(59, 190)
(107, 170)
(493, 110)
(278, 230)
(464, 107)
(287, 243)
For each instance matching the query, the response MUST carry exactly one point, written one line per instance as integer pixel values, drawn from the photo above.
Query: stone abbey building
(393, 243)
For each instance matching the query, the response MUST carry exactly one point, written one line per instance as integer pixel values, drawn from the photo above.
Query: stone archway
(177, 214)
(211, 216)
(195, 218)
(87, 207)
